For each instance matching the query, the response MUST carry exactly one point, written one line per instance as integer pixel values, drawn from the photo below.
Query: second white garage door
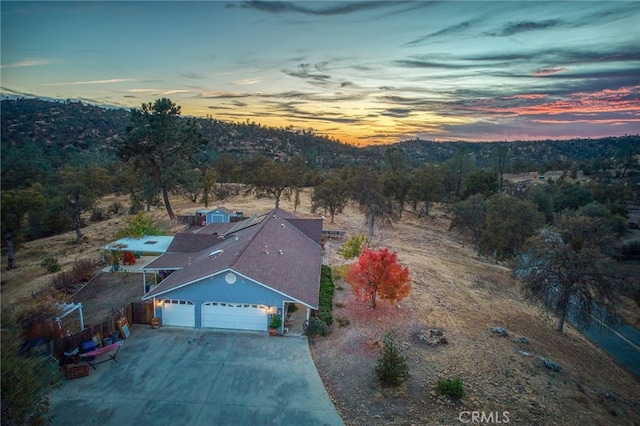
(239, 316)
(178, 312)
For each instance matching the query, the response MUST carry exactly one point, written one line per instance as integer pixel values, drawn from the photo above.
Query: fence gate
(142, 312)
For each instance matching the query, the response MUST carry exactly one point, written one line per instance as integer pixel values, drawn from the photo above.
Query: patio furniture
(90, 356)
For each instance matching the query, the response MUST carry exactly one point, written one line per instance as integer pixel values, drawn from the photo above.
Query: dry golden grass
(466, 296)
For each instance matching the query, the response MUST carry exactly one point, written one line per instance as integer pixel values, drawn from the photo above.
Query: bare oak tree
(567, 270)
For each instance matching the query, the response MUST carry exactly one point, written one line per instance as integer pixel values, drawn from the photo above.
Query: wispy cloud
(225, 95)
(78, 83)
(324, 97)
(27, 62)
(547, 71)
(334, 8)
(247, 81)
(308, 71)
(5, 91)
(614, 12)
(175, 91)
(396, 112)
(193, 75)
(454, 29)
(143, 90)
(622, 100)
(526, 26)
(433, 61)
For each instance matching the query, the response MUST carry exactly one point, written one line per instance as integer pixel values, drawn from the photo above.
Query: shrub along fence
(135, 313)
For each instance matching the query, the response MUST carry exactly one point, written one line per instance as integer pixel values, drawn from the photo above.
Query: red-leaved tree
(377, 273)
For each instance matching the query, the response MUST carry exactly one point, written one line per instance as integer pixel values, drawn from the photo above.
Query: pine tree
(392, 368)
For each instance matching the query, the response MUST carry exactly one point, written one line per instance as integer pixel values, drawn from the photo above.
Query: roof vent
(281, 252)
(215, 253)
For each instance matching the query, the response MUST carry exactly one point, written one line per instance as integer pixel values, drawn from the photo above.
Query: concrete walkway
(174, 376)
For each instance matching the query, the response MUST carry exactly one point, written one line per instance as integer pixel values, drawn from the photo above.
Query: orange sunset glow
(361, 72)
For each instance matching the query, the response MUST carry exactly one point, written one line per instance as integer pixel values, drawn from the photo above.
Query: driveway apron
(174, 376)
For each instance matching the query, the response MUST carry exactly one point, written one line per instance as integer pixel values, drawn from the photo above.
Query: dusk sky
(362, 72)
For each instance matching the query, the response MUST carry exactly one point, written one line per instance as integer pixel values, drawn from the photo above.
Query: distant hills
(75, 132)
(72, 127)
(521, 155)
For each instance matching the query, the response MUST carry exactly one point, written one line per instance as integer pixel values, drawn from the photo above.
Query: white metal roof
(146, 244)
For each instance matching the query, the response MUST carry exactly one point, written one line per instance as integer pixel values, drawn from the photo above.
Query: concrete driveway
(172, 376)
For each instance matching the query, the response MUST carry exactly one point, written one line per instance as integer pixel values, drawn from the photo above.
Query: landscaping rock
(551, 365)
(435, 337)
(500, 331)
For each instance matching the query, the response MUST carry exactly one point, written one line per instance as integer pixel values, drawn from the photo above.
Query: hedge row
(326, 295)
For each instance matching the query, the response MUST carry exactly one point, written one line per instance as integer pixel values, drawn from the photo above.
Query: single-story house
(239, 278)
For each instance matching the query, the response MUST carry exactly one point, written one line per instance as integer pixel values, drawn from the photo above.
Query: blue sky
(362, 72)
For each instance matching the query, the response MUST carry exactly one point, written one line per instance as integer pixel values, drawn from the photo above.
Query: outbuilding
(219, 215)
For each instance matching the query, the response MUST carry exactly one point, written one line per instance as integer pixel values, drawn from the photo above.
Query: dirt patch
(106, 292)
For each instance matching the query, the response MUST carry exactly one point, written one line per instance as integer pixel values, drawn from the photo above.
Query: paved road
(622, 341)
(172, 376)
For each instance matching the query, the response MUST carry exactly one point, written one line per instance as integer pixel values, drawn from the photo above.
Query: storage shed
(219, 215)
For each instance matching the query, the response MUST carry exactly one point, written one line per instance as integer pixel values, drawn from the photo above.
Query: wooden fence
(135, 313)
(331, 234)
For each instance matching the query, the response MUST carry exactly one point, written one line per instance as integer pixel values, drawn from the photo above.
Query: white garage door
(239, 316)
(178, 312)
